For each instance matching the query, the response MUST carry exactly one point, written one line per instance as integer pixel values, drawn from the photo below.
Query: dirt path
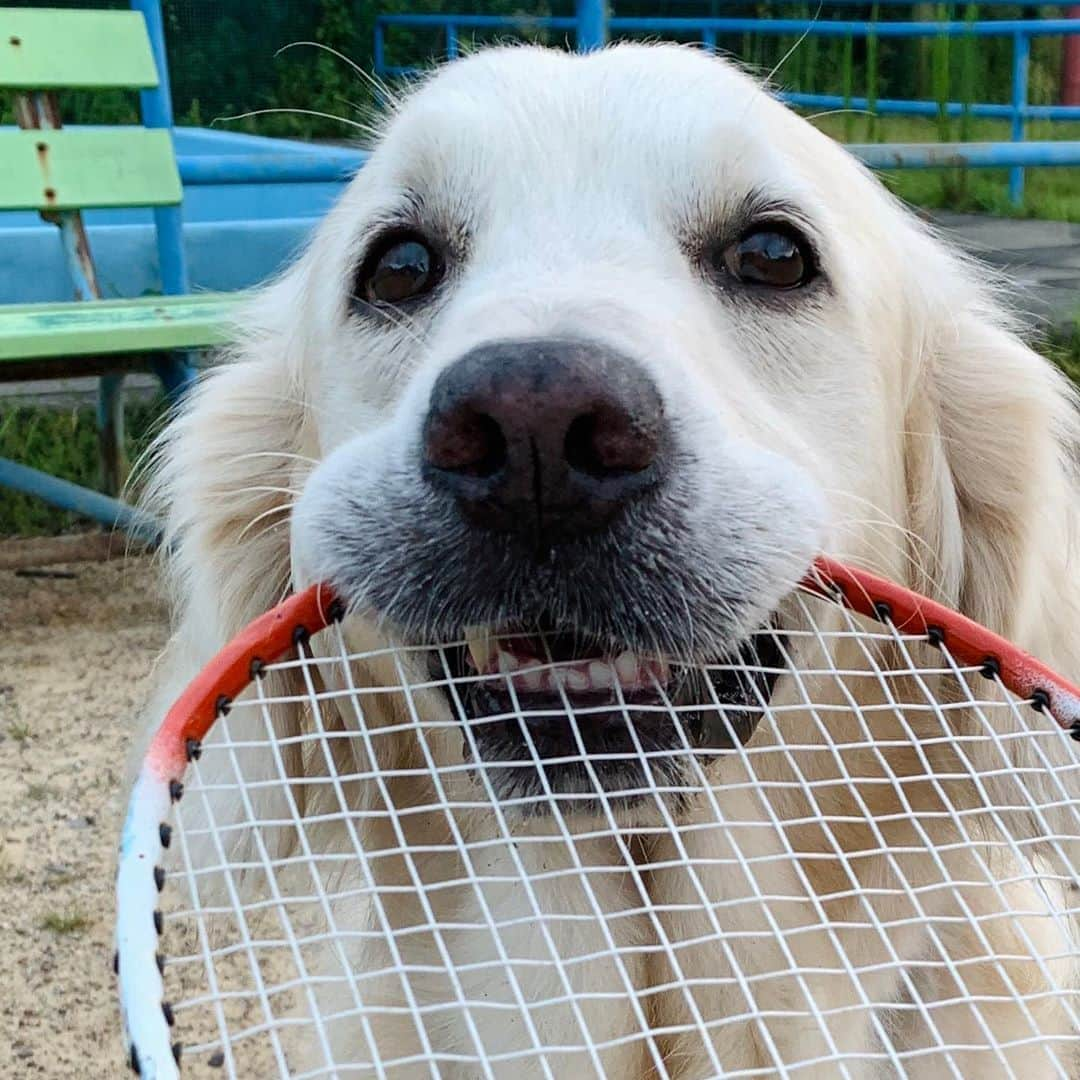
(75, 656)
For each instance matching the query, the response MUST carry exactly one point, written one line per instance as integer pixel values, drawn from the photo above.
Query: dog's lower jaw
(617, 756)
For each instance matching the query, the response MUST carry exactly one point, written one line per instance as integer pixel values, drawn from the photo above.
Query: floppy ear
(221, 479)
(991, 441)
(222, 474)
(990, 434)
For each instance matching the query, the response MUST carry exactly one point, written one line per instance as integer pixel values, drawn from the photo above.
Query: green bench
(60, 172)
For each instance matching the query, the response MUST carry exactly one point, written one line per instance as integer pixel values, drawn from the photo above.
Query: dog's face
(595, 354)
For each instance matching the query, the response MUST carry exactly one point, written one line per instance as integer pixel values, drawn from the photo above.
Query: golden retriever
(606, 348)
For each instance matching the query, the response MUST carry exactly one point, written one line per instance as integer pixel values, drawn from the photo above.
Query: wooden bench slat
(87, 168)
(112, 327)
(50, 49)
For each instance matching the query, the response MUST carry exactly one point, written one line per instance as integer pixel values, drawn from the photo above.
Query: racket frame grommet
(256, 668)
(176, 790)
(301, 635)
(935, 636)
(177, 1049)
(159, 877)
(1040, 700)
(336, 611)
(192, 749)
(222, 705)
(159, 959)
(159, 922)
(165, 834)
(882, 611)
(116, 960)
(1074, 731)
(133, 1061)
(167, 1012)
(990, 668)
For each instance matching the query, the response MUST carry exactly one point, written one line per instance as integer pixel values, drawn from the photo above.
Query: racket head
(970, 652)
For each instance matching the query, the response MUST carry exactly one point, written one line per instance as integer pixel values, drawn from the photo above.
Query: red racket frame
(271, 635)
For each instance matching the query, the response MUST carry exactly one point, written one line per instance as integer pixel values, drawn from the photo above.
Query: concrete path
(1042, 258)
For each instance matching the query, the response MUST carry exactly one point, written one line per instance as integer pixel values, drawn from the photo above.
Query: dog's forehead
(649, 120)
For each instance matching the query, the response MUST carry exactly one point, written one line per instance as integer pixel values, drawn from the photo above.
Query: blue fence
(590, 29)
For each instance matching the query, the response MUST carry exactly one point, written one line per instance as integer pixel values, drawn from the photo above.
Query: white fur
(897, 421)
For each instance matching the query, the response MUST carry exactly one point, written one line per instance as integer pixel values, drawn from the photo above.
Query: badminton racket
(871, 868)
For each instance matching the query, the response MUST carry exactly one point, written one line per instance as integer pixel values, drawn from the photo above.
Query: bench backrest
(49, 168)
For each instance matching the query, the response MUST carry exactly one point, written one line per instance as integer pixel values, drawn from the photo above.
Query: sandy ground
(75, 656)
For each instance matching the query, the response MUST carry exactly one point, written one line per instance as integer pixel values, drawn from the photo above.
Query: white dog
(611, 346)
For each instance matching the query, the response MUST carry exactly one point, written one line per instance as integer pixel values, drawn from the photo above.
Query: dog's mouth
(550, 712)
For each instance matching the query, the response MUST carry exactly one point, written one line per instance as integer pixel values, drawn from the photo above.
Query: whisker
(260, 517)
(377, 84)
(297, 112)
(802, 37)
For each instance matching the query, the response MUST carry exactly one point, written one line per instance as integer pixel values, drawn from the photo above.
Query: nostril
(604, 444)
(580, 449)
(466, 442)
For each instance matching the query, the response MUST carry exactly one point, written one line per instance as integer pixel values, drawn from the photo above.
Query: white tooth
(507, 663)
(481, 649)
(601, 675)
(575, 679)
(626, 667)
(531, 677)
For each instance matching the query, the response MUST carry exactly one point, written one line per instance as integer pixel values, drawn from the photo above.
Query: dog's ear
(221, 477)
(222, 473)
(990, 435)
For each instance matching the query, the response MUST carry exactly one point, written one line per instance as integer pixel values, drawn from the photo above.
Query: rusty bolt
(42, 147)
(16, 41)
(50, 194)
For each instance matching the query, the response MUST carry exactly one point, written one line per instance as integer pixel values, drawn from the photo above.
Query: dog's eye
(400, 268)
(775, 256)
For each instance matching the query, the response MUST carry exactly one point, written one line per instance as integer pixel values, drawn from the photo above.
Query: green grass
(1048, 193)
(69, 922)
(19, 732)
(62, 442)
(1064, 350)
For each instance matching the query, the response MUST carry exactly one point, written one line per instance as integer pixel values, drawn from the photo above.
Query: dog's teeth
(601, 675)
(508, 663)
(574, 679)
(530, 678)
(626, 667)
(482, 648)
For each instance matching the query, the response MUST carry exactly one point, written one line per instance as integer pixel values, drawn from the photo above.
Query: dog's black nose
(546, 439)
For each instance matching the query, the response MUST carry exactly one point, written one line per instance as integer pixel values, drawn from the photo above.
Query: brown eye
(400, 268)
(772, 256)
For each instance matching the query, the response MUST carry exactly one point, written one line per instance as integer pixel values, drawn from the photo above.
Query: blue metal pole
(379, 50)
(592, 19)
(971, 155)
(1021, 58)
(156, 105)
(451, 42)
(708, 39)
(694, 27)
(109, 512)
(157, 113)
(315, 166)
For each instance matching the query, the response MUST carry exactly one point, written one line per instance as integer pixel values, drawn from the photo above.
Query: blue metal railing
(708, 30)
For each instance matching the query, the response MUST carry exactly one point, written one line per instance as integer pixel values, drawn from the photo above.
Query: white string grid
(879, 881)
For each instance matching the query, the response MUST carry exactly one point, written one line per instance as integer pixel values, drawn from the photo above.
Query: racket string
(353, 882)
